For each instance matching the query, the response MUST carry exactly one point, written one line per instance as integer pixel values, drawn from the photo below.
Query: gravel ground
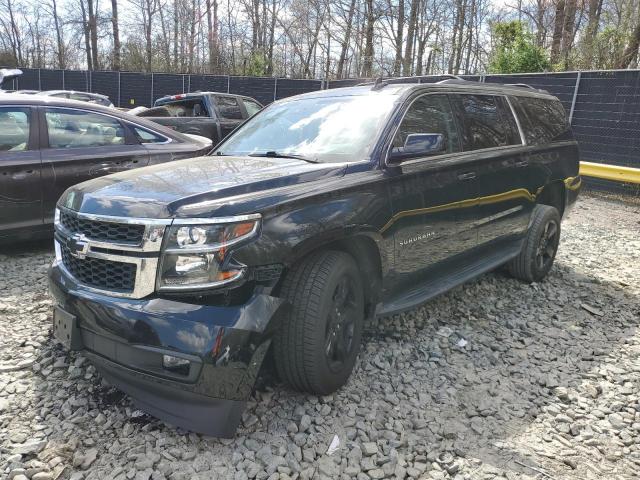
(496, 379)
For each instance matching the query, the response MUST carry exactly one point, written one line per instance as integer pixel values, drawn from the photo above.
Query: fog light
(176, 364)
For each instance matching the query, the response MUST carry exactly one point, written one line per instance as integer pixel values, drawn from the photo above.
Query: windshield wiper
(274, 154)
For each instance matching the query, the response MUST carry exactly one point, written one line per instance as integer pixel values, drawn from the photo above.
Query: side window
(14, 129)
(484, 123)
(544, 120)
(79, 96)
(187, 108)
(429, 114)
(76, 129)
(145, 136)
(228, 108)
(251, 107)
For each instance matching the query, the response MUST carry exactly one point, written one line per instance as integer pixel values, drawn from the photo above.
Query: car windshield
(329, 129)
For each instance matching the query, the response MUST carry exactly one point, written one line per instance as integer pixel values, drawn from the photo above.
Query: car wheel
(318, 340)
(540, 246)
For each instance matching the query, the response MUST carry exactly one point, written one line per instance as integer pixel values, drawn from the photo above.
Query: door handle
(467, 176)
(521, 163)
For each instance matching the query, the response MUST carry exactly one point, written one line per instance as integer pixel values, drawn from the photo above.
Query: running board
(438, 284)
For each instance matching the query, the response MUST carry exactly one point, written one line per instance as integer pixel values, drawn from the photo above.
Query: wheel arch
(553, 194)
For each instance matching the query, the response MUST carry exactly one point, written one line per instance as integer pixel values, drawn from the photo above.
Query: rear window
(187, 108)
(487, 122)
(542, 120)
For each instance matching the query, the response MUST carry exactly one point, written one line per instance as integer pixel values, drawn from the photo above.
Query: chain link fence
(603, 106)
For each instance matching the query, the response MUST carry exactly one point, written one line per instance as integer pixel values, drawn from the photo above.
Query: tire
(540, 246)
(318, 339)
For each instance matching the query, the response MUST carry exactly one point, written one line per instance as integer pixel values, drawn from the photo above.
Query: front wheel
(540, 246)
(318, 340)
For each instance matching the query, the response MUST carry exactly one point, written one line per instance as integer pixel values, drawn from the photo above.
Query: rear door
(20, 183)
(230, 113)
(79, 145)
(490, 130)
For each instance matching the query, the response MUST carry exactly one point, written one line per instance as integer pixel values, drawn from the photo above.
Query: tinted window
(145, 136)
(251, 107)
(14, 129)
(543, 120)
(229, 108)
(79, 96)
(187, 108)
(429, 114)
(75, 128)
(486, 122)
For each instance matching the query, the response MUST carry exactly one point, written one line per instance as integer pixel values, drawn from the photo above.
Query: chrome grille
(99, 273)
(102, 231)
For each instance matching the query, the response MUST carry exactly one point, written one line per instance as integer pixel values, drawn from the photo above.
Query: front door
(432, 196)
(20, 186)
(81, 145)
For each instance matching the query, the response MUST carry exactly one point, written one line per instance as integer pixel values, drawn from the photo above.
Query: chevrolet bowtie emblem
(78, 245)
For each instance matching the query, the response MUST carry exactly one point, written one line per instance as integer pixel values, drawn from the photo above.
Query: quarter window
(145, 136)
(14, 129)
(429, 114)
(229, 108)
(487, 122)
(544, 120)
(76, 129)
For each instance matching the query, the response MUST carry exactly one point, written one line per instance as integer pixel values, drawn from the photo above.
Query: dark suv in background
(320, 211)
(48, 144)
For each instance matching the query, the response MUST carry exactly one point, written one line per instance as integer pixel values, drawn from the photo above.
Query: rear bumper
(127, 339)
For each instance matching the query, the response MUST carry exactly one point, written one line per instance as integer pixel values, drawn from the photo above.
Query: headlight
(196, 256)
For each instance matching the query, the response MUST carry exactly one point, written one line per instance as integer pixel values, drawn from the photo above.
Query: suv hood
(164, 190)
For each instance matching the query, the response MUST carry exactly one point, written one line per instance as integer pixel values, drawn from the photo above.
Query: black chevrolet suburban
(321, 211)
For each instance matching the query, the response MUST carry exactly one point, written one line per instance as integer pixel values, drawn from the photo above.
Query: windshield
(333, 129)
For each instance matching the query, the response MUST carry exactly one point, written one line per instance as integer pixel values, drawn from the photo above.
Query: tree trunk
(347, 38)
(116, 35)
(630, 53)
(568, 30)
(93, 34)
(87, 40)
(60, 54)
(397, 64)
(558, 25)
(367, 62)
(411, 33)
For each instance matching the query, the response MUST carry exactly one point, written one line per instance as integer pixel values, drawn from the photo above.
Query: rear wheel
(540, 246)
(318, 341)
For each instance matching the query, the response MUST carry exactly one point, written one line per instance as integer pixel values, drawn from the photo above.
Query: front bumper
(126, 340)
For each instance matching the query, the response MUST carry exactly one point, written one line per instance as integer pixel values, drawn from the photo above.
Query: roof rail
(451, 75)
(379, 84)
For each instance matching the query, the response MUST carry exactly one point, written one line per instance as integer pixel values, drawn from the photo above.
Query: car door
(432, 196)
(20, 183)
(489, 129)
(79, 145)
(229, 113)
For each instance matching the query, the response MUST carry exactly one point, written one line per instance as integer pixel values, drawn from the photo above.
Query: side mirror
(418, 145)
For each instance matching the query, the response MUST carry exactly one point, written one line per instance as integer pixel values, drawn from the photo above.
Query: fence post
(119, 94)
(228, 83)
(275, 89)
(575, 96)
(39, 81)
(151, 104)
(189, 85)
(63, 79)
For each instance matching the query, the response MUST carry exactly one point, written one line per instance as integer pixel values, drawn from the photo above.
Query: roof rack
(451, 75)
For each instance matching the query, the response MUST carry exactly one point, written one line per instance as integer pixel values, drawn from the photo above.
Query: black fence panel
(135, 89)
(107, 83)
(29, 80)
(562, 85)
(167, 84)
(287, 87)
(74, 80)
(208, 83)
(260, 88)
(53, 79)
